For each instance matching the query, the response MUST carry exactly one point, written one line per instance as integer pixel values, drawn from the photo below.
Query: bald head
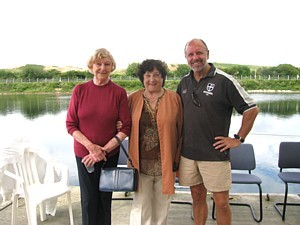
(195, 41)
(197, 54)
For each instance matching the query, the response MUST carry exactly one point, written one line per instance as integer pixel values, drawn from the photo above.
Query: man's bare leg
(223, 211)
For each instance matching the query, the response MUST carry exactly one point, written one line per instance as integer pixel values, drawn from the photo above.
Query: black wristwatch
(236, 136)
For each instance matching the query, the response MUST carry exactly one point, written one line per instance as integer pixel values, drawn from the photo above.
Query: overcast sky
(66, 32)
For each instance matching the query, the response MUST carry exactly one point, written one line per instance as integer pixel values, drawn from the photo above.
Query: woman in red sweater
(95, 107)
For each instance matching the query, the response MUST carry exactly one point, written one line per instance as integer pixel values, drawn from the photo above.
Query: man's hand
(225, 143)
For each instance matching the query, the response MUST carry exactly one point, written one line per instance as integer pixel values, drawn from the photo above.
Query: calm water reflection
(41, 119)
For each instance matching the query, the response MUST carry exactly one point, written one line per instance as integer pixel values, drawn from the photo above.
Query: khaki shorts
(216, 176)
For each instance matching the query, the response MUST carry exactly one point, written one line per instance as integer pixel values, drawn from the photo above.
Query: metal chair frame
(243, 158)
(180, 202)
(289, 155)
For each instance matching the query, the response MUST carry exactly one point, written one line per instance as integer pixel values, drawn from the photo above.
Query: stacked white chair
(36, 189)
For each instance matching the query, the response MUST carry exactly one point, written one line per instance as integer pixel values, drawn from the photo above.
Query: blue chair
(289, 158)
(242, 158)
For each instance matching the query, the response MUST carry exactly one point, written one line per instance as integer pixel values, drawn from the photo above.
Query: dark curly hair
(149, 65)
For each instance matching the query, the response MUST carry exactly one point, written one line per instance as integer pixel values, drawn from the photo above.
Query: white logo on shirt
(209, 88)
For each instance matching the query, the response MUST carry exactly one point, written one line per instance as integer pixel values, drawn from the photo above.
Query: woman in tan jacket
(154, 144)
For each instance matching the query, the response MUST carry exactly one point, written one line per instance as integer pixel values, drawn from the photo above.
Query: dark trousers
(95, 204)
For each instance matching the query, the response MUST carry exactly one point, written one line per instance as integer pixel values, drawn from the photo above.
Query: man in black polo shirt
(209, 96)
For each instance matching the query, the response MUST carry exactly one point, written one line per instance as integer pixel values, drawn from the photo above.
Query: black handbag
(119, 178)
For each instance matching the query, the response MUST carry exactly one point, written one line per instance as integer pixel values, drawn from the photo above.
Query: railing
(47, 80)
(268, 77)
(41, 80)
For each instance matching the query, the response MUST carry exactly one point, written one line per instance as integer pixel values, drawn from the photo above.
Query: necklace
(152, 111)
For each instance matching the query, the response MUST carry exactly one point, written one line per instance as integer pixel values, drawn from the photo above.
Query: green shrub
(132, 85)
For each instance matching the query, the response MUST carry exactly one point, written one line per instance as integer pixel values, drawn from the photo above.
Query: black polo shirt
(218, 93)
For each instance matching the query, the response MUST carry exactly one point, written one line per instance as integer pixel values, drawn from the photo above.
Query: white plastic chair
(35, 191)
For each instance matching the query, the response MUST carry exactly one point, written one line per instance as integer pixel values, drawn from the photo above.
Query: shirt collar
(211, 73)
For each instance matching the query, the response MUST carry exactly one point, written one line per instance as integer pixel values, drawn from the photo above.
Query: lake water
(41, 119)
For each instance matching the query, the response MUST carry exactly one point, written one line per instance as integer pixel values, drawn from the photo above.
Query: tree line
(32, 72)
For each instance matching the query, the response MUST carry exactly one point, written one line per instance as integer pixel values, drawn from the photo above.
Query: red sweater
(94, 110)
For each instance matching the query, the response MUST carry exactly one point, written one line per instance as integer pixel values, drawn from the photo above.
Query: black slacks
(95, 204)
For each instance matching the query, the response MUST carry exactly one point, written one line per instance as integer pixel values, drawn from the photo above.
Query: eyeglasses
(195, 99)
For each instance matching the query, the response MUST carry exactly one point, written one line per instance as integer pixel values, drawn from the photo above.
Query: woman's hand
(92, 158)
(97, 154)
(175, 166)
(93, 148)
(119, 125)
(88, 161)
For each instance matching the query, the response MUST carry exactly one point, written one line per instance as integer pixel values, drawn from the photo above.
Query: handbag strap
(124, 150)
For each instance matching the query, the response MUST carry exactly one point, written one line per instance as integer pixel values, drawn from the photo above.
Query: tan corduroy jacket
(169, 124)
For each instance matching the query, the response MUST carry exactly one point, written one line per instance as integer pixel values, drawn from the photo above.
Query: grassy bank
(131, 85)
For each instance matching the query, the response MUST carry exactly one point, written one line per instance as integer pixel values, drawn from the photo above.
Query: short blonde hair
(100, 54)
